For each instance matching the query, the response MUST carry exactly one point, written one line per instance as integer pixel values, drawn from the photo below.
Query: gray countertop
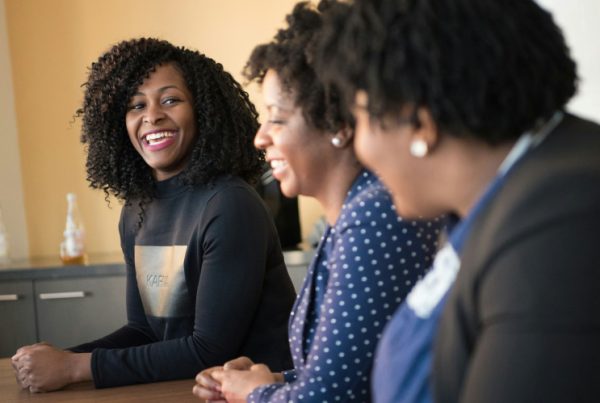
(98, 265)
(52, 267)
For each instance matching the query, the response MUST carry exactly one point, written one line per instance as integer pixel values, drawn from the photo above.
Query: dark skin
(218, 383)
(305, 162)
(162, 104)
(449, 177)
(42, 367)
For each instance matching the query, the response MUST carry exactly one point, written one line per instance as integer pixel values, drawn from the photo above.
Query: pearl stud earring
(336, 142)
(419, 148)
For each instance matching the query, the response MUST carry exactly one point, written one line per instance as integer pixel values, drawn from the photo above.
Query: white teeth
(151, 138)
(278, 164)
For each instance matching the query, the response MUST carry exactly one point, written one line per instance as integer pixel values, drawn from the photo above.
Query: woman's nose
(154, 114)
(262, 138)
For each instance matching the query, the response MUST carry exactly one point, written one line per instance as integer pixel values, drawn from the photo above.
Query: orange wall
(51, 45)
(11, 184)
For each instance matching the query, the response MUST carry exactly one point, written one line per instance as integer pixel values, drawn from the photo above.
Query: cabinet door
(79, 310)
(17, 316)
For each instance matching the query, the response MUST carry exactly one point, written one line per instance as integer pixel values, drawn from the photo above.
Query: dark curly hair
(291, 54)
(225, 119)
(483, 68)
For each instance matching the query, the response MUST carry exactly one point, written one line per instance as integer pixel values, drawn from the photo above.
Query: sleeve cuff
(289, 376)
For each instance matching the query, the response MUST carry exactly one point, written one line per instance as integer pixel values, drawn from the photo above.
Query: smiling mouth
(157, 138)
(278, 164)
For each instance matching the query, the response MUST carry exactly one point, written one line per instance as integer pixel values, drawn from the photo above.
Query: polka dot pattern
(363, 268)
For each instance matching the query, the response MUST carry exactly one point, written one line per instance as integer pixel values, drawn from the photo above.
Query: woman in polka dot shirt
(368, 258)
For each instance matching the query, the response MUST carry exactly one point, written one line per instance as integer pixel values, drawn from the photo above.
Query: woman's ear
(425, 137)
(343, 137)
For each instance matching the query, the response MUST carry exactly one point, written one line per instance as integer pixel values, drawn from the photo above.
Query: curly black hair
(486, 69)
(291, 54)
(225, 118)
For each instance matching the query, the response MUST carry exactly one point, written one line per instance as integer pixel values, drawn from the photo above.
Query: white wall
(11, 187)
(580, 22)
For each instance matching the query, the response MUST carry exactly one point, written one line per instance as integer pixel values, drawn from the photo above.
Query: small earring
(336, 142)
(419, 148)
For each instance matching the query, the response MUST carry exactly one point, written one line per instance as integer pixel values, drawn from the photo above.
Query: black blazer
(522, 322)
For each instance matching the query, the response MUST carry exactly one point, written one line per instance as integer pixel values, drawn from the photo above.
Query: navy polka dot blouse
(363, 268)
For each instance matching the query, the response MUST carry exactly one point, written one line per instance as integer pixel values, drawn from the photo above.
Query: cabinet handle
(63, 295)
(9, 297)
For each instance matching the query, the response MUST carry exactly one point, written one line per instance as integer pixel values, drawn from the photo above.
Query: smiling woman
(160, 122)
(170, 133)
(368, 258)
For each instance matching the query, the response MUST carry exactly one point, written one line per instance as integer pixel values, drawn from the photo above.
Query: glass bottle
(3, 241)
(72, 248)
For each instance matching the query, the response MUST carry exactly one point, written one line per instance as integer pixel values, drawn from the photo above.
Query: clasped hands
(42, 367)
(233, 381)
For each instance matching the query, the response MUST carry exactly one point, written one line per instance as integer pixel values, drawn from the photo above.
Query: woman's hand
(43, 368)
(236, 385)
(210, 389)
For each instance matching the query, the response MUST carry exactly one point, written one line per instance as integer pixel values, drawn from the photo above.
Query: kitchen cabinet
(42, 300)
(62, 312)
(17, 316)
(75, 311)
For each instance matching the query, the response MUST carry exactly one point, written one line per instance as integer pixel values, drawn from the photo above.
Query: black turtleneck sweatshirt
(206, 282)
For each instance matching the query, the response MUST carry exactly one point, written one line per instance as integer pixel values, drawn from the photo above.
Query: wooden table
(161, 392)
